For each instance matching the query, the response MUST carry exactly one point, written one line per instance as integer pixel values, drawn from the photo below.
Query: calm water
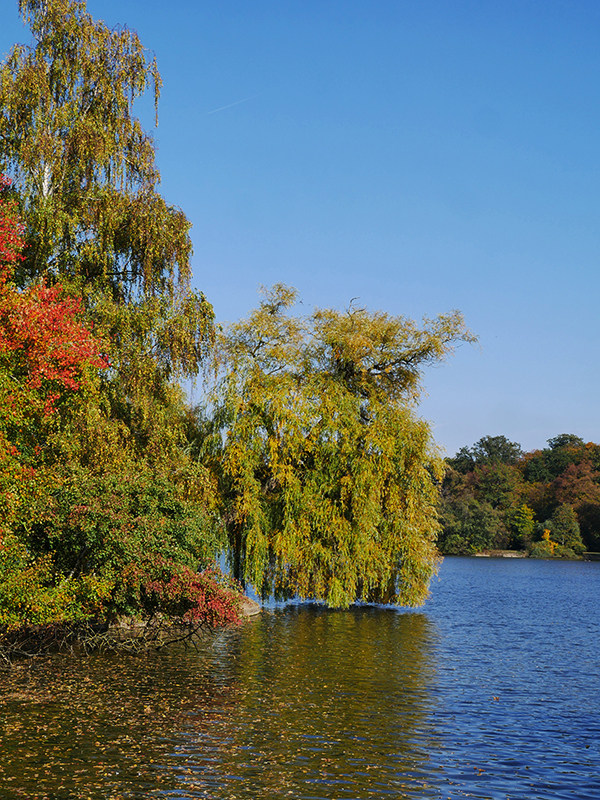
(491, 691)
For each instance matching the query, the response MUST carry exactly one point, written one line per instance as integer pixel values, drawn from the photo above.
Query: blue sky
(421, 155)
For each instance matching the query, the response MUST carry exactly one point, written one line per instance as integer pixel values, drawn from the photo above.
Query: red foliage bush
(160, 586)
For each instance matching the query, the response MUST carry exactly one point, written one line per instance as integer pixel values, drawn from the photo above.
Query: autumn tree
(327, 475)
(99, 235)
(564, 530)
(526, 495)
(45, 347)
(481, 494)
(85, 170)
(45, 352)
(90, 527)
(549, 463)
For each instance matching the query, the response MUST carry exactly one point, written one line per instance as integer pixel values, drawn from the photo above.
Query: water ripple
(490, 692)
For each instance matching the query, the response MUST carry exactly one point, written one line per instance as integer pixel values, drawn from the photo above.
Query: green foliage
(326, 474)
(560, 484)
(31, 596)
(85, 505)
(488, 450)
(98, 524)
(70, 140)
(470, 526)
(312, 453)
(547, 464)
(542, 549)
(497, 484)
(86, 174)
(565, 440)
(496, 450)
(481, 493)
(523, 526)
(588, 516)
(110, 537)
(94, 469)
(567, 472)
(564, 528)
(535, 468)
(548, 548)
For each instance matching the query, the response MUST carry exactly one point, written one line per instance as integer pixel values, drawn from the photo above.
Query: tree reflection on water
(302, 702)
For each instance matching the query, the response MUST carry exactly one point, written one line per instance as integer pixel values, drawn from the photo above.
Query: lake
(491, 690)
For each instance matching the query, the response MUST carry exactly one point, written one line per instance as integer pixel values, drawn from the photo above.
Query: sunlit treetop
(327, 475)
(372, 353)
(85, 172)
(81, 161)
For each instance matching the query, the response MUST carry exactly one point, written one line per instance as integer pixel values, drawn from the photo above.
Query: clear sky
(421, 155)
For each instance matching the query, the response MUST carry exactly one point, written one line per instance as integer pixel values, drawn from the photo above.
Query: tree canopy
(103, 510)
(90, 526)
(85, 171)
(494, 496)
(309, 464)
(327, 476)
(488, 450)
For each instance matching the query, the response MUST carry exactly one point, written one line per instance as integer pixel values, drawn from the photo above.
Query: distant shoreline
(525, 554)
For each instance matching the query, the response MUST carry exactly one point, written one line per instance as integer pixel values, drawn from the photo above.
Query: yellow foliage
(546, 538)
(328, 477)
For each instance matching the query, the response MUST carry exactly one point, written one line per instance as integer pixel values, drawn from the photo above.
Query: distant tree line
(495, 496)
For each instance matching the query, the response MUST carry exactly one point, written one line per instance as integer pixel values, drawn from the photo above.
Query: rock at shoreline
(250, 608)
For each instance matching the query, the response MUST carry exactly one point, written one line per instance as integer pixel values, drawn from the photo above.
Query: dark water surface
(492, 690)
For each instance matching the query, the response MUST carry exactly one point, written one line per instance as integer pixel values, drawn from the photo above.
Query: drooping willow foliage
(327, 474)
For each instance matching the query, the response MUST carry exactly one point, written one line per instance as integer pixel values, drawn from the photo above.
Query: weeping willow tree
(85, 171)
(327, 475)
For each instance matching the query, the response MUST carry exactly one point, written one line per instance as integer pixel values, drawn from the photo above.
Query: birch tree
(85, 170)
